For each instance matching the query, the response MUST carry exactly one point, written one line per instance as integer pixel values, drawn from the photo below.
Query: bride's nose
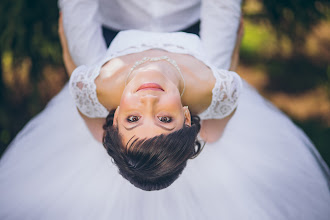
(149, 99)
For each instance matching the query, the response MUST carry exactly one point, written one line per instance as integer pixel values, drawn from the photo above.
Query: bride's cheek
(172, 101)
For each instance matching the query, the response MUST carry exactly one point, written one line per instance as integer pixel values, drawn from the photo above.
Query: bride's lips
(150, 86)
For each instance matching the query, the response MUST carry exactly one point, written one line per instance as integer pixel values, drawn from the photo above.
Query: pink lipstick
(150, 86)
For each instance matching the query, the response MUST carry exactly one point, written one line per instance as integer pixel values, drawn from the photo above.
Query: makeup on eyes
(133, 121)
(163, 119)
(167, 119)
(133, 118)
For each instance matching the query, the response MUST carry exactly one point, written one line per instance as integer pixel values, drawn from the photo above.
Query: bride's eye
(132, 118)
(165, 119)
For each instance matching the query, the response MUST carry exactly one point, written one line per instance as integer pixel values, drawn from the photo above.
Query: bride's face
(150, 105)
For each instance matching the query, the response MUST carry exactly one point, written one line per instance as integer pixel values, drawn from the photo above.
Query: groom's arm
(95, 125)
(83, 30)
(221, 38)
(212, 129)
(218, 30)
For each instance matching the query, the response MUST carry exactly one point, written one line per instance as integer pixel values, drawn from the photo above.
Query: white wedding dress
(263, 167)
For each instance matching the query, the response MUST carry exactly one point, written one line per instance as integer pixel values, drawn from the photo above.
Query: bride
(152, 81)
(150, 84)
(262, 167)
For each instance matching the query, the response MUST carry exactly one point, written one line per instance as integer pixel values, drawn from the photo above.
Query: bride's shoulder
(212, 92)
(108, 83)
(200, 82)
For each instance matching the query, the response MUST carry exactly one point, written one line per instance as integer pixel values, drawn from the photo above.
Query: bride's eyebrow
(168, 129)
(128, 129)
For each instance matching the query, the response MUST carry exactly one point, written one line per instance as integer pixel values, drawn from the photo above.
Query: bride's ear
(187, 116)
(115, 117)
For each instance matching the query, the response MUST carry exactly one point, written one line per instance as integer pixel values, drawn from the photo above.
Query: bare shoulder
(200, 82)
(110, 83)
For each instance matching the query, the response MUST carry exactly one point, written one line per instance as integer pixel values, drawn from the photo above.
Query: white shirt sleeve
(218, 30)
(83, 30)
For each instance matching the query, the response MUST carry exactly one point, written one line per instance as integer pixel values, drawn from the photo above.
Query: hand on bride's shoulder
(67, 59)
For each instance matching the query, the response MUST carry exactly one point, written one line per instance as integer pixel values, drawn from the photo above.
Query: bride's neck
(163, 67)
(198, 78)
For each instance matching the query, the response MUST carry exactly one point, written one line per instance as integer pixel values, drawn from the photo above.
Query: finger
(61, 33)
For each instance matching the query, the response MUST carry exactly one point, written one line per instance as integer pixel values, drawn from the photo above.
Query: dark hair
(154, 163)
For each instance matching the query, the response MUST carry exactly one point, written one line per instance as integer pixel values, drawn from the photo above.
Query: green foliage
(29, 29)
(258, 40)
(294, 18)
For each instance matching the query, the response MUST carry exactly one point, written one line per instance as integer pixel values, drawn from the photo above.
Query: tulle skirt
(263, 167)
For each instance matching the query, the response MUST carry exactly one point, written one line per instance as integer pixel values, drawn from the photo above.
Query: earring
(186, 111)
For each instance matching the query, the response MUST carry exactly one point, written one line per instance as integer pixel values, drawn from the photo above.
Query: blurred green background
(285, 54)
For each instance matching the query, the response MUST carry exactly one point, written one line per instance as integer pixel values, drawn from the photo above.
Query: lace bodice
(225, 93)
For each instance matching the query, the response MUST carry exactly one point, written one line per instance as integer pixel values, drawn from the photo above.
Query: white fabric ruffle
(263, 167)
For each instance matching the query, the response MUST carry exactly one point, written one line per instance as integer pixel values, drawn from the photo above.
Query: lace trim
(83, 91)
(225, 95)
